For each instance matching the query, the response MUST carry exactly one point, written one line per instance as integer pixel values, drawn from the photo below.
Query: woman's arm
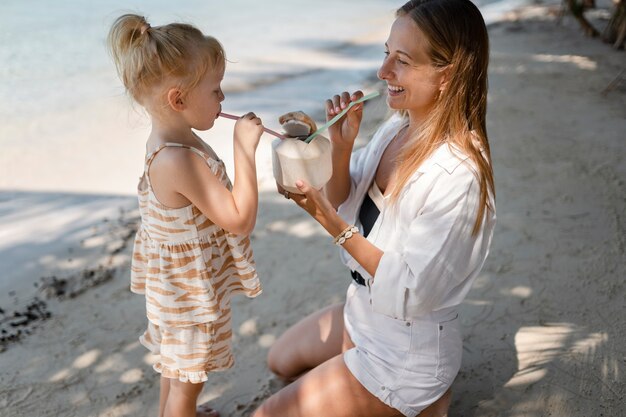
(320, 208)
(438, 258)
(342, 136)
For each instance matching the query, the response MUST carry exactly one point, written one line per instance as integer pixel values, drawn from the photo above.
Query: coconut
(294, 159)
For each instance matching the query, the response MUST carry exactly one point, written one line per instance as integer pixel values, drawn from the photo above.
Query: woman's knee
(274, 362)
(281, 363)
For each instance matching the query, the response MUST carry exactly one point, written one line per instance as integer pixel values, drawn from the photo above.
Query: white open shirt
(430, 256)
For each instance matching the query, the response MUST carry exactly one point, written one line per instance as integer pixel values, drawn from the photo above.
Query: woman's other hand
(343, 133)
(318, 206)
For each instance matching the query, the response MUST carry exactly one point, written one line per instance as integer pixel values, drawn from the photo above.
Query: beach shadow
(91, 362)
(541, 324)
(55, 246)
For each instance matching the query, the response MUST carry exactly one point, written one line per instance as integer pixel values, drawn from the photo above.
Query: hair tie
(144, 28)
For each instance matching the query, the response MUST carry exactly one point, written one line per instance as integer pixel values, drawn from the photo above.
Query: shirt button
(383, 388)
(408, 324)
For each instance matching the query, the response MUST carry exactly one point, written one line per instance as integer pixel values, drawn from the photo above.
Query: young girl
(192, 251)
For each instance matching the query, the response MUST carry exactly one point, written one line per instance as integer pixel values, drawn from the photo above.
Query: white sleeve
(357, 167)
(439, 251)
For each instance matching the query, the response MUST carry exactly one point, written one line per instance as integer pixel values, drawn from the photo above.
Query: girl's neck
(167, 132)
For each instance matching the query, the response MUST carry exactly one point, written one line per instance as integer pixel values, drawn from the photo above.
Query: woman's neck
(416, 119)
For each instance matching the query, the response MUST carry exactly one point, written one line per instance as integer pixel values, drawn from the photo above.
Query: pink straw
(270, 131)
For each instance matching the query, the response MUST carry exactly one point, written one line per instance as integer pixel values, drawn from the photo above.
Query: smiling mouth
(394, 90)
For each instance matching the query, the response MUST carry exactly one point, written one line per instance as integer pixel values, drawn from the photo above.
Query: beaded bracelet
(346, 234)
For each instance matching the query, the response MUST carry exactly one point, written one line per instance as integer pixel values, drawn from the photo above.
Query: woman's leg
(310, 342)
(316, 343)
(327, 390)
(181, 401)
(331, 390)
(440, 407)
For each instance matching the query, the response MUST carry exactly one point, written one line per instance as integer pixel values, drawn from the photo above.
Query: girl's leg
(308, 343)
(181, 401)
(165, 389)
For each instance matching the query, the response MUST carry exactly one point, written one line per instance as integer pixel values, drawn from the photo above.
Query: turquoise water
(53, 56)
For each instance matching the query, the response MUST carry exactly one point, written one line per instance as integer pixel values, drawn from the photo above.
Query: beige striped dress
(188, 268)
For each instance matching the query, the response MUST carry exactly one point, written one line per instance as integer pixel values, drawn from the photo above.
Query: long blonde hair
(458, 41)
(145, 56)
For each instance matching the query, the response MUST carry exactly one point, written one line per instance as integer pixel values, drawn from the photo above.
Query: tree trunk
(577, 8)
(615, 31)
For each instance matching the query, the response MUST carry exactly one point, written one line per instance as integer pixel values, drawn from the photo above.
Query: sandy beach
(544, 326)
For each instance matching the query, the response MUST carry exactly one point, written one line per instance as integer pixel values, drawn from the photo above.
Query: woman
(421, 198)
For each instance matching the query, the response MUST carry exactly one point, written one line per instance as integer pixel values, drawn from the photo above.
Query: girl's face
(204, 101)
(413, 82)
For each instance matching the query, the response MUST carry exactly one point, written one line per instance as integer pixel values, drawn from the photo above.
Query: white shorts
(408, 365)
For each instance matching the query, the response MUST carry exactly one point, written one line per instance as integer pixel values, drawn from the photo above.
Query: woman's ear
(175, 99)
(445, 78)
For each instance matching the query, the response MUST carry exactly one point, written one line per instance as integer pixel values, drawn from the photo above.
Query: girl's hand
(248, 130)
(314, 202)
(343, 133)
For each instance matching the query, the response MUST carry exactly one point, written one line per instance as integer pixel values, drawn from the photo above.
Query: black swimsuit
(367, 216)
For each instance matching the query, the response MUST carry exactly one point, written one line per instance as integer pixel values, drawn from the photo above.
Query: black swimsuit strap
(367, 216)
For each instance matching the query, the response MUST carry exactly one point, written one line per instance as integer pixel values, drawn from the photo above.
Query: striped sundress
(188, 268)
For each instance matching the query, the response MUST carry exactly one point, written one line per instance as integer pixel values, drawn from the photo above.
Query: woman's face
(413, 83)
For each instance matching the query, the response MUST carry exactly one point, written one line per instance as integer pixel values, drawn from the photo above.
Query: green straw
(340, 115)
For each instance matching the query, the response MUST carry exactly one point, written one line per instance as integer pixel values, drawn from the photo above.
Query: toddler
(192, 250)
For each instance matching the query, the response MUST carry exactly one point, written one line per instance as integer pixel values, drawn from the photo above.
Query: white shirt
(430, 257)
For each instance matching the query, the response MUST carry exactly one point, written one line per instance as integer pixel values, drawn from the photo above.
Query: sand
(543, 325)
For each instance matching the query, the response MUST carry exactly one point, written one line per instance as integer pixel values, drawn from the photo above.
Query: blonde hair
(458, 41)
(145, 56)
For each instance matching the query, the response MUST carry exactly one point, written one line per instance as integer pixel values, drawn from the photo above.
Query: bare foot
(205, 410)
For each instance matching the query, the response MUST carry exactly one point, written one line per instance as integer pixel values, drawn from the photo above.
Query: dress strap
(151, 155)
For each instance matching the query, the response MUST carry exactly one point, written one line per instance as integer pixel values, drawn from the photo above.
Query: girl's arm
(342, 137)
(188, 174)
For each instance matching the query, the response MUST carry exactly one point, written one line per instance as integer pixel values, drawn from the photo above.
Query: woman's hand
(343, 133)
(314, 202)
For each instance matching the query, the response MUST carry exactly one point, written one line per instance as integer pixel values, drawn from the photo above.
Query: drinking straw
(270, 131)
(340, 115)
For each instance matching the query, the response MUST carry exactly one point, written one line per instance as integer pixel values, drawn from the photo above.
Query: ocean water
(53, 55)
(61, 100)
